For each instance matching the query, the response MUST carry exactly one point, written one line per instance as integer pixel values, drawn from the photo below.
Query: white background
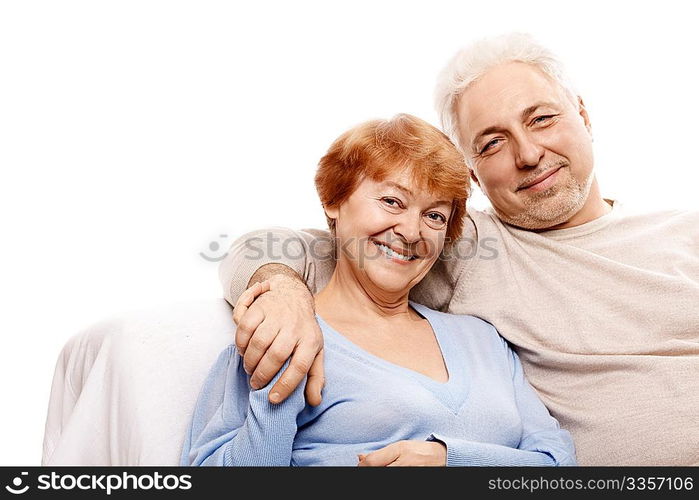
(133, 134)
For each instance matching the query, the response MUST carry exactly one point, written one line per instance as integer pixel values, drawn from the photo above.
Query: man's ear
(473, 177)
(583, 112)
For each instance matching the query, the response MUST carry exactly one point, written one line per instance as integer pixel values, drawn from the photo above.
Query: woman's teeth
(393, 254)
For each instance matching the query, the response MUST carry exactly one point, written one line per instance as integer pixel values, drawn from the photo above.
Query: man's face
(528, 144)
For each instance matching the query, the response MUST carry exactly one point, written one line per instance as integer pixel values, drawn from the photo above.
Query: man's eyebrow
(524, 115)
(485, 131)
(531, 109)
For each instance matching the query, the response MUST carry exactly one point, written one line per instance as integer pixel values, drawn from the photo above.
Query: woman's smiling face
(391, 232)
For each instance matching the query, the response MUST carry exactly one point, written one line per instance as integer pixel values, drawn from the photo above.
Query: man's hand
(406, 453)
(276, 321)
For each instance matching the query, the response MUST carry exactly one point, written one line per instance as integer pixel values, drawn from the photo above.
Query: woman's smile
(394, 254)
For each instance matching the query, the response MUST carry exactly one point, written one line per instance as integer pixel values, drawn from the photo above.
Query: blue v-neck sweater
(485, 414)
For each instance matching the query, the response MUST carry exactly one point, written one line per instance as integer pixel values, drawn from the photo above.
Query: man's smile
(541, 182)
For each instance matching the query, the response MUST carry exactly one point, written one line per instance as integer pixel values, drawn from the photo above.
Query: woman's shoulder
(453, 319)
(465, 326)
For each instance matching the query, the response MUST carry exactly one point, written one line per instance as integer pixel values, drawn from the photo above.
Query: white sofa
(124, 389)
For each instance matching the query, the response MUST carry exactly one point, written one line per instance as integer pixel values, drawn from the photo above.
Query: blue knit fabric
(486, 413)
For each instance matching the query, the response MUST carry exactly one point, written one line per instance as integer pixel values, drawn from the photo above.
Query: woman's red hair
(376, 148)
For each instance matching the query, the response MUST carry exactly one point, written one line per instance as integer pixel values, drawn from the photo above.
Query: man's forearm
(253, 251)
(285, 304)
(268, 271)
(308, 253)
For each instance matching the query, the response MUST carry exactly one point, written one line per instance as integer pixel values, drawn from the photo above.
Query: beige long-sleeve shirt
(604, 316)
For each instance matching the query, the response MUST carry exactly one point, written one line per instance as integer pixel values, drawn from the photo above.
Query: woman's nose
(408, 228)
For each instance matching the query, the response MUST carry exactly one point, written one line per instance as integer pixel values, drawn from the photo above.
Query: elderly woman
(405, 385)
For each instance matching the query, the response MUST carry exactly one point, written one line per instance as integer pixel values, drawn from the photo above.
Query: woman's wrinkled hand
(407, 453)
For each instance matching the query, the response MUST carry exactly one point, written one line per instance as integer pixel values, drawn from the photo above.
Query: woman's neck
(346, 297)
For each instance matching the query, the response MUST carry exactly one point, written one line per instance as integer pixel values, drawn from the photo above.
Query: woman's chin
(391, 282)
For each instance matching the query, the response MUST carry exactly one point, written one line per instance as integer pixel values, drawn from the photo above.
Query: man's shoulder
(483, 223)
(483, 216)
(661, 219)
(317, 233)
(480, 227)
(667, 213)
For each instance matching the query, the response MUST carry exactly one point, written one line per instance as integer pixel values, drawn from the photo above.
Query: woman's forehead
(412, 186)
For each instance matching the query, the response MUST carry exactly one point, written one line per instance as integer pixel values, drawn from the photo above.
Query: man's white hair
(471, 62)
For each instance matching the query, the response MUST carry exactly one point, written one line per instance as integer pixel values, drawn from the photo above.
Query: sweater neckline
(570, 232)
(589, 227)
(349, 344)
(452, 393)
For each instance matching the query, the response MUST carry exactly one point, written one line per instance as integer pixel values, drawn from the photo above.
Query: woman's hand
(276, 321)
(407, 453)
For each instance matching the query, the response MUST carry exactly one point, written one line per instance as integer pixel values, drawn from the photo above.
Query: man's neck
(595, 207)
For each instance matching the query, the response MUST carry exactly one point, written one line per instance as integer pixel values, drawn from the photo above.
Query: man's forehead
(503, 93)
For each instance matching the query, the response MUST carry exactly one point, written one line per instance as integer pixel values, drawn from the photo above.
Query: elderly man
(602, 307)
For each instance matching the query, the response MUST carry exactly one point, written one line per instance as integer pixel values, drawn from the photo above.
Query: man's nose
(529, 152)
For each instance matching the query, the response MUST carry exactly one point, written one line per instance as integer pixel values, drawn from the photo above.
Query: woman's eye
(437, 217)
(391, 202)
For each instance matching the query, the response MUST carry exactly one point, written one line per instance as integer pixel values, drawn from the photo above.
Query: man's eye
(490, 145)
(542, 119)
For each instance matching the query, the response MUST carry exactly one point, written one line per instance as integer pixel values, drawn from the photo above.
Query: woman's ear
(331, 211)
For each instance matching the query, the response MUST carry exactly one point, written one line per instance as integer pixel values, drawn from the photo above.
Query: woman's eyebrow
(442, 202)
(409, 192)
(399, 187)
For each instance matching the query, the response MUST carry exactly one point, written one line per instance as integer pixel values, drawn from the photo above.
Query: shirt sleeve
(543, 442)
(234, 425)
(309, 252)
